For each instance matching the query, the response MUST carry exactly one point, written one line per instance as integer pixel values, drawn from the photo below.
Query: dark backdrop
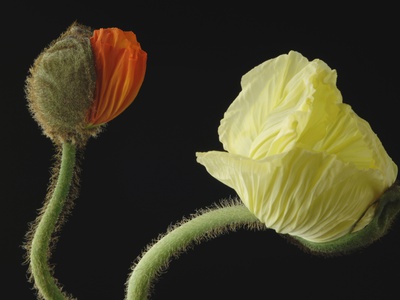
(140, 175)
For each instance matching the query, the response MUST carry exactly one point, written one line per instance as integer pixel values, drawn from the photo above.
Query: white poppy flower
(299, 158)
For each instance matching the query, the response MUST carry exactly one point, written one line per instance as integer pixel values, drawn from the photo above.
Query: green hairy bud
(61, 85)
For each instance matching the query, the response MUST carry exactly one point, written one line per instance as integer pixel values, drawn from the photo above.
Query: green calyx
(61, 84)
(388, 207)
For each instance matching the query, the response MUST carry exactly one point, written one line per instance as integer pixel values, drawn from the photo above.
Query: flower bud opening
(84, 79)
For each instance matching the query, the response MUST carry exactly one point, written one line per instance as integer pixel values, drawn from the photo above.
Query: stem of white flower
(204, 225)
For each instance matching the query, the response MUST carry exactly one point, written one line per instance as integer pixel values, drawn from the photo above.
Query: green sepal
(61, 84)
(388, 206)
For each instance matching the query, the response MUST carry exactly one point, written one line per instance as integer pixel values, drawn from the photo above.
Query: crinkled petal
(269, 93)
(309, 194)
(120, 68)
(290, 102)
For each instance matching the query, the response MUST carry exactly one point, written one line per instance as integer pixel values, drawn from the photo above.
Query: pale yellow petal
(262, 89)
(308, 113)
(348, 137)
(381, 159)
(260, 120)
(303, 193)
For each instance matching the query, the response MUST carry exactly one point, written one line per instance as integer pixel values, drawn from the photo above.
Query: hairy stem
(39, 252)
(204, 225)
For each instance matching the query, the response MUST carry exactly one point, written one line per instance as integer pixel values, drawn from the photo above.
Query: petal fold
(309, 194)
(120, 68)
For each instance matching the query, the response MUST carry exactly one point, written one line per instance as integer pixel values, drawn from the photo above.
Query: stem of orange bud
(204, 225)
(39, 249)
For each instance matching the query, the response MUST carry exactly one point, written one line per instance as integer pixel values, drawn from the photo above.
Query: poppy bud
(84, 79)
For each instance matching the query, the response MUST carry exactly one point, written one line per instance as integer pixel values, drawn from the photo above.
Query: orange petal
(120, 68)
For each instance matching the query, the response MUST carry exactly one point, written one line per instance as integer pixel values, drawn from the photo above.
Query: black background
(140, 175)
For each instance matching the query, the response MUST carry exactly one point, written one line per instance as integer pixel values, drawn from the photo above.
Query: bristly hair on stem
(68, 205)
(226, 216)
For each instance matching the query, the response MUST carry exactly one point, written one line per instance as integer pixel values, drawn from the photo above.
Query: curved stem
(204, 225)
(42, 235)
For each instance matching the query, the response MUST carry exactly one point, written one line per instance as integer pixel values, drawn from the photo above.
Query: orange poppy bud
(120, 68)
(84, 79)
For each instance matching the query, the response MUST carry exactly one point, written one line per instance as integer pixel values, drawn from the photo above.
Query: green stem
(204, 225)
(42, 236)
